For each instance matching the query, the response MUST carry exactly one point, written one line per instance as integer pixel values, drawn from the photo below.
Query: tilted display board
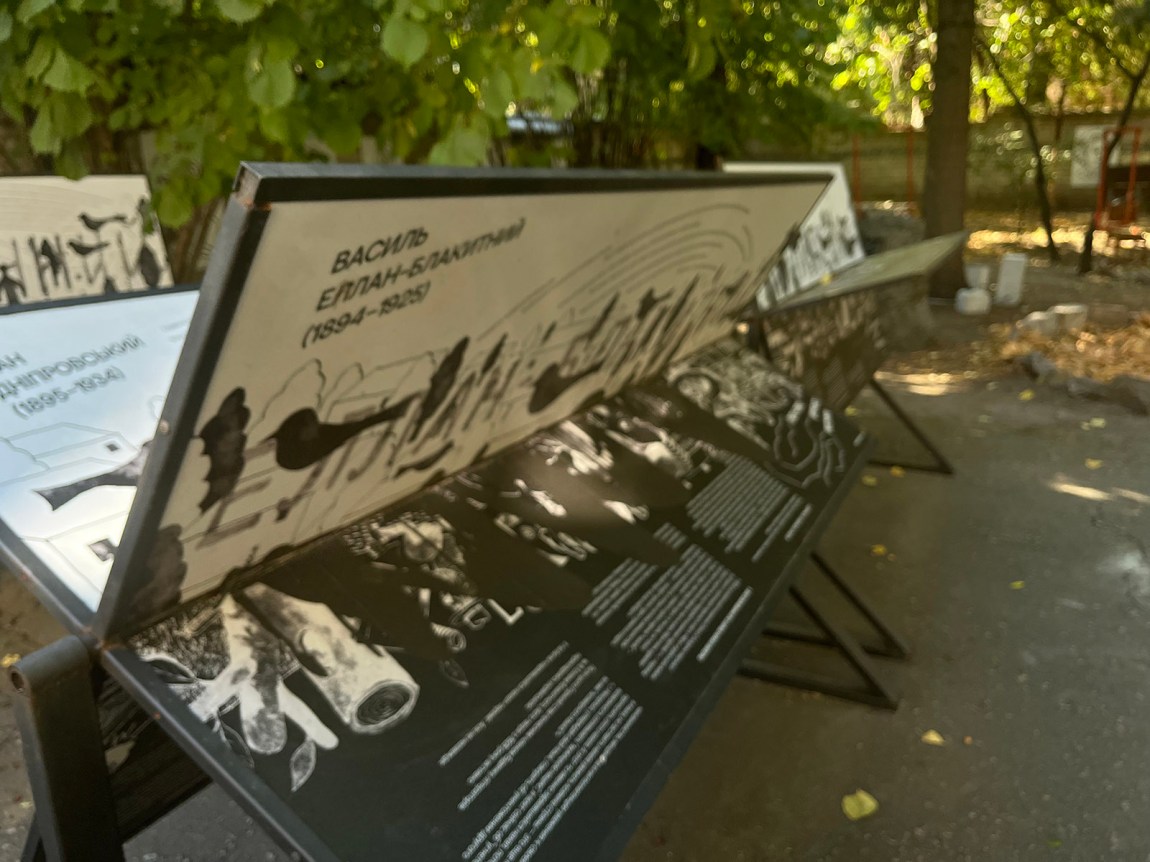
(357, 339)
(63, 239)
(827, 242)
(81, 390)
(831, 338)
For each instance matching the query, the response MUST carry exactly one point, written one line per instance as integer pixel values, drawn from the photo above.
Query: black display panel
(505, 666)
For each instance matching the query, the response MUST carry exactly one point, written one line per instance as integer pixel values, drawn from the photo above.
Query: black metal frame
(873, 691)
(64, 756)
(940, 465)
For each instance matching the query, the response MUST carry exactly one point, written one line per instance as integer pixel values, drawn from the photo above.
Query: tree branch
(1097, 38)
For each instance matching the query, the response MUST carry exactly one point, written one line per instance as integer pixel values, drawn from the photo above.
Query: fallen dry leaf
(859, 804)
(984, 419)
(1093, 463)
(933, 737)
(851, 411)
(1097, 422)
(9, 660)
(968, 740)
(878, 550)
(1026, 395)
(869, 481)
(1094, 352)
(1017, 585)
(897, 472)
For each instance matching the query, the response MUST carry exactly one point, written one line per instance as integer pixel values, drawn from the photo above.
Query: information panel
(832, 347)
(490, 670)
(378, 344)
(827, 242)
(62, 239)
(81, 390)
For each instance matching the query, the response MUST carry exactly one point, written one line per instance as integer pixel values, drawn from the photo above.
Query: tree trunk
(948, 126)
(1041, 186)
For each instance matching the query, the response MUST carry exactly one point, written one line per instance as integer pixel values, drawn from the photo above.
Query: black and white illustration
(81, 389)
(62, 239)
(826, 242)
(831, 347)
(766, 407)
(358, 370)
(356, 621)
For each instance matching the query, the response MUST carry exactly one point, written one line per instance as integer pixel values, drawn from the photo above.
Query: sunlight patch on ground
(932, 383)
(1064, 486)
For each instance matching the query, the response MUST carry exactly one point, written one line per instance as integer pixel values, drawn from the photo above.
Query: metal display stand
(64, 754)
(830, 337)
(873, 691)
(603, 568)
(940, 463)
(85, 809)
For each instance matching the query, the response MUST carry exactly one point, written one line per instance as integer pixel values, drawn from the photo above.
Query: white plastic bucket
(977, 275)
(972, 300)
(1011, 275)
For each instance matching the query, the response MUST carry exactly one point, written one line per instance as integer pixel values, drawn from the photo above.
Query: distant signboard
(1086, 155)
(826, 242)
(64, 239)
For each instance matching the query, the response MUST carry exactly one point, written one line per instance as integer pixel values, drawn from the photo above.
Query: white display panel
(81, 389)
(63, 239)
(827, 242)
(379, 344)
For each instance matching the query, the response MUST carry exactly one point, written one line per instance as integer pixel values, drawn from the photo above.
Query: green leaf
(404, 40)
(564, 99)
(68, 74)
(585, 16)
(40, 58)
(462, 146)
(499, 93)
(172, 207)
(42, 136)
(70, 162)
(273, 85)
(590, 51)
(71, 115)
(29, 9)
(5, 25)
(240, 11)
(280, 48)
(274, 125)
(701, 58)
(546, 27)
(344, 136)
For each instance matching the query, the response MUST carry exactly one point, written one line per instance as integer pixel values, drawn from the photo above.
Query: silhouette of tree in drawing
(10, 288)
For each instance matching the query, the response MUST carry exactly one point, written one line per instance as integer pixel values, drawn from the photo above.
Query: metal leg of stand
(873, 692)
(64, 754)
(33, 844)
(941, 464)
(892, 646)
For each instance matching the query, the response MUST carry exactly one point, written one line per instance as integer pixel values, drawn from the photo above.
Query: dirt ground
(1120, 277)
